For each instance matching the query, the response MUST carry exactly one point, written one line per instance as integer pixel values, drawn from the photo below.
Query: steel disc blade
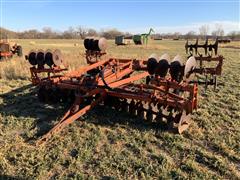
(95, 45)
(189, 66)
(165, 56)
(86, 43)
(184, 122)
(91, 44)
(48, 57)
(163, 65)
(32, 57)
(154, 55)
(176, 69)
(40, 57)
(151, 65)
(178, 58)
(57, 58)
(162, 68)
(102, 44)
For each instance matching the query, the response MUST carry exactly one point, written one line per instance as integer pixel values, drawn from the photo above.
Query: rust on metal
(123, 84)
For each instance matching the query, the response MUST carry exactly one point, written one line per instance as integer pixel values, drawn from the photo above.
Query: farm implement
(154, 89)
(198, 63)
(7, 51)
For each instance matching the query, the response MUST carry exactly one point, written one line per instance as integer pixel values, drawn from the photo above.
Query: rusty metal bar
(128, 80)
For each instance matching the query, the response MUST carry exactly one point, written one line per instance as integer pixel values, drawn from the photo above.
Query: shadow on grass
(6, 177)
(106, 116)
(23, 104)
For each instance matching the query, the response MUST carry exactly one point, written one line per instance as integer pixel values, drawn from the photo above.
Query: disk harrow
(210, 65)
(156, 90)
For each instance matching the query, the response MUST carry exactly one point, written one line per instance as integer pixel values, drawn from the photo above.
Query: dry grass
(116, 145)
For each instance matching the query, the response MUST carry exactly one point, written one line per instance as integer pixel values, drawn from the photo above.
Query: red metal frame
(115, 79)
(213, 71)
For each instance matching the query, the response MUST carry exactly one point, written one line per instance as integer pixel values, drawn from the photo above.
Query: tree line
(82, 32)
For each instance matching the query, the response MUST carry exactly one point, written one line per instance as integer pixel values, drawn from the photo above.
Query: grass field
(109, 145)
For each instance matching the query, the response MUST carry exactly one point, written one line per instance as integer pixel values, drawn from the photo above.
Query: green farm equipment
(143, 38)
(137, 39)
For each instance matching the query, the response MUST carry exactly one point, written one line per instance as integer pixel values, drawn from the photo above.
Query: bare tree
(190, 35)
(92, 32)
(128, 34)
(48, 33)
(219, 30)
(234, 35)
(81, 31)
(176, 35)
(111, 34)
(203, 30)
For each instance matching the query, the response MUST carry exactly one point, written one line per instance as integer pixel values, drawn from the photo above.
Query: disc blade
(176, 68)
(165, 56)
(102, 44)
(90, 44)
(154, 55)
(40, 57)
(163, 65)
(189, 66)
(162, 68)
(177, 58)
(48, 57)
(184, 122)
(151, 65)
(57, 57)
(32, 57)
(86, 45)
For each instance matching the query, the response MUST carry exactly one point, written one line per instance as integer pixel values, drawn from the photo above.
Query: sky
(135, 16)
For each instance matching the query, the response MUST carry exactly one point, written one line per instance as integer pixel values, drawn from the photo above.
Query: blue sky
(132, 16)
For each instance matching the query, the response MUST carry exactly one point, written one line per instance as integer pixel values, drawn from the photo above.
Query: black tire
(19, 51)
